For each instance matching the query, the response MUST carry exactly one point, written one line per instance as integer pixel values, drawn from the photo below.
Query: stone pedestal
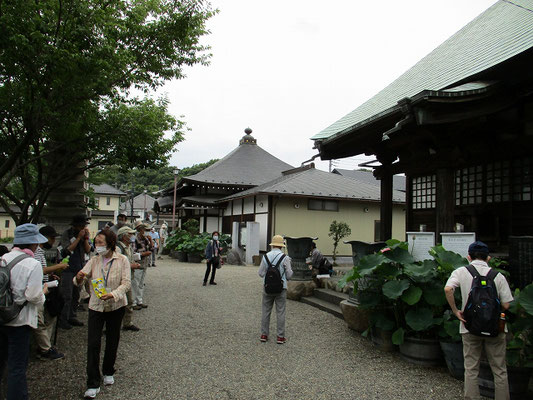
(299, 249)
(355, 317)
(252, 241)
(235, 235)
(299, 289)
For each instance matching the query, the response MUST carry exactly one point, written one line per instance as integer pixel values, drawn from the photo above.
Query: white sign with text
(420, 243)
(458, 242)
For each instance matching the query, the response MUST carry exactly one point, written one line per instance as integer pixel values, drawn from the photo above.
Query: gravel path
(203, 343)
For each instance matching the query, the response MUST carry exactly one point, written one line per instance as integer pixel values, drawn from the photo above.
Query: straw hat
(139, 224)
(277, 241)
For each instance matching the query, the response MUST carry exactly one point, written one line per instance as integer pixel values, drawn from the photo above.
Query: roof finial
(248, 138)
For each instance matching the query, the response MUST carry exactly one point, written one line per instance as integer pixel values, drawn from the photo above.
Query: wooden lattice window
(423, 193)
(522, 179)
(469, 185)
(498, 182)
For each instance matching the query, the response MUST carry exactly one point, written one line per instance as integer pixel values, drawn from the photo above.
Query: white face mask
(215, 237)
(101, 250)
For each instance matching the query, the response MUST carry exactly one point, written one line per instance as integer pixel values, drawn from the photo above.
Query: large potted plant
(195, 247)
(175, 244)
(404, 297)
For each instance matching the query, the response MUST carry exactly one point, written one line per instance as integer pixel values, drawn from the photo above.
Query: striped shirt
(118, 275)
(40, 256)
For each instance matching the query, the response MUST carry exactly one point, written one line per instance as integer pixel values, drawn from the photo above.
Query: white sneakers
(108, 380)
(91, 393)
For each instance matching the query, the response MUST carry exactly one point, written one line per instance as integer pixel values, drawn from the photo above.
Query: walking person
(75, 244)
(141, 245)
(495, 347)
(212, 255)
(124, 247)
(275, 259)
(155, 242)
(163, 236)
(107, 270)
(26, 287)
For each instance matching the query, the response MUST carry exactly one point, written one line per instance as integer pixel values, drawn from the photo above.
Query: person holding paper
(109, 276)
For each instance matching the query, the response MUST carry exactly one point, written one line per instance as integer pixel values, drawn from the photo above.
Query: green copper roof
(501, 32)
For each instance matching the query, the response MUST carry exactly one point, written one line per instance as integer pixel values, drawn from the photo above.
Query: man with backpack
(276, 269)
(485, 294)
(21, 294)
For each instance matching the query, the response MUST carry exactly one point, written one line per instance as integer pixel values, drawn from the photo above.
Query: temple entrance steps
(326, 300)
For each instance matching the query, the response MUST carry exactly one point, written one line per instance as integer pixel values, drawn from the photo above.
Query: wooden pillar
(445, 207)
(386, 203)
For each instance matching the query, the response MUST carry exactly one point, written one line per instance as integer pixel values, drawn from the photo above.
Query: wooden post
(386, 203)
(445, 201)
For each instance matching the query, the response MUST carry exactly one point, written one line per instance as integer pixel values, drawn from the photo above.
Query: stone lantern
(299, 249)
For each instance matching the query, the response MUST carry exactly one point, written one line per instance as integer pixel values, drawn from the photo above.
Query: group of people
(115, 279)
(46, 282)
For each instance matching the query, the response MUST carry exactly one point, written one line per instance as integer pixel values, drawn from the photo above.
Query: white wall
(228, 209)
(263, 229)
(212, 224)
(237, 207)
(248, 205)
(261, 204)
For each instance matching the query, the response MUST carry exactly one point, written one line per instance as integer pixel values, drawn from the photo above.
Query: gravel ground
(203, 343)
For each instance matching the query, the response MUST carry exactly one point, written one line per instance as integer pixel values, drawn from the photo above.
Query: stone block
(297, 289)
(355, 317)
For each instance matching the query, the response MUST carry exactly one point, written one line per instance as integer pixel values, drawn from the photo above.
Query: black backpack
(483, 307)
(273, 281)
(8, 308)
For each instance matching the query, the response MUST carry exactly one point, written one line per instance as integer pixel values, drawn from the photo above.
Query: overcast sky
(289, 68)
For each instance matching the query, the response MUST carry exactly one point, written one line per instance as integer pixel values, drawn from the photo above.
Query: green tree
(152, 179)
(67, 69)
(337, 231)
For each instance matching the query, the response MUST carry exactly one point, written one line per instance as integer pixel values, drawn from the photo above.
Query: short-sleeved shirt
(463, 279)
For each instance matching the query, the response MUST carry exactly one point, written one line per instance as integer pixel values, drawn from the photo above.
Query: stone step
(330, 296)
(323, 305)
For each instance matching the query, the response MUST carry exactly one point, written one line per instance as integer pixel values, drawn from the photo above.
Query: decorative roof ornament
(248, 138)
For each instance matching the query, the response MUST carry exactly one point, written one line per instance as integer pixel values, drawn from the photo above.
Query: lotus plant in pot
(405, 298)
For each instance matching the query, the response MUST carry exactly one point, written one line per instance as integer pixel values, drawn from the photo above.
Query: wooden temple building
(459, 125)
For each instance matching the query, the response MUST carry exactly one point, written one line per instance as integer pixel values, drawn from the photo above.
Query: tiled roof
(501, 32)
(398, 181)
(312, 182)
(205, 200)
(138, 203)
(247, 165)
(107, 189)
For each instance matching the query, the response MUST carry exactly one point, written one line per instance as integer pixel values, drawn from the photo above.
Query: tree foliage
(67, 68)
(151, 179)
(337, 231)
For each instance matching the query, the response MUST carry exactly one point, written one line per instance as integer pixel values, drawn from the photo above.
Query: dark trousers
(71, 296)
(15, 351)
(211, 266)
(113, 321)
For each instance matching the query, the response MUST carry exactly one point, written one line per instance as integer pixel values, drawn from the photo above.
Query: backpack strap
(16, 260)
(269, 264)
(492, 274)
(472, 270)
(279, 263)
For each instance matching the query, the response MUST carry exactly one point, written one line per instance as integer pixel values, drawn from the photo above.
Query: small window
(108, 201)
(323, 205)
(7, 223)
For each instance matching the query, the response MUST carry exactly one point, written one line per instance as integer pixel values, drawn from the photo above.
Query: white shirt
(463, 279)
(26, 285)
